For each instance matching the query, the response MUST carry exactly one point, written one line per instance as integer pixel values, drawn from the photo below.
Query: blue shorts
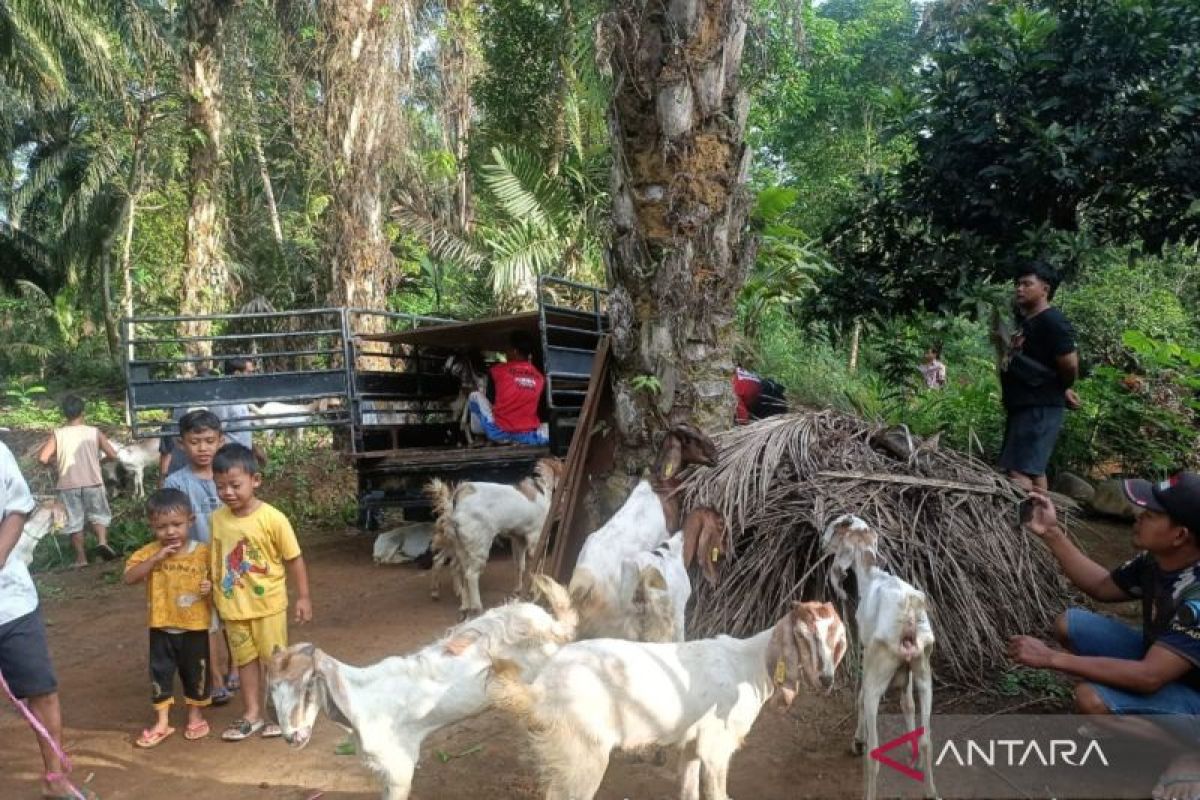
(1092, 634)
(25, 658)
(497, 434)
(1029, 438)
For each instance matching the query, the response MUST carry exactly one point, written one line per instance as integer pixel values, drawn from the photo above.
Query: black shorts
(185, 654)
(1029, 438)
(24, 657)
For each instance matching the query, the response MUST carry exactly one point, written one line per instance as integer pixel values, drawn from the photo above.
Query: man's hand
(1030, 651)
(1073, 401)
(1043, 520)
(303, 610)
(205, 588)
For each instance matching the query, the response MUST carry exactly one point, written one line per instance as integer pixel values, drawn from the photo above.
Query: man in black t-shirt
(1155, 670)
(1035, 384)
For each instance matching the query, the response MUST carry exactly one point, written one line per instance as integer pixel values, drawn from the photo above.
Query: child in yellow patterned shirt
(176, 571)
(254, 556)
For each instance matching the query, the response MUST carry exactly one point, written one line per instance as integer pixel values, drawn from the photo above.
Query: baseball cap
(1178, 497)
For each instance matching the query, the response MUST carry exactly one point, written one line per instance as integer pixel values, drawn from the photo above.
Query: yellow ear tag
(780, 671)
(667, 470)
(716, 554)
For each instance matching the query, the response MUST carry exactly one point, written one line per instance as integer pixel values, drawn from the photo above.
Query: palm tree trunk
(458, 69)
(133, 191)
(680, 247)
(359, 73)
(205, 275)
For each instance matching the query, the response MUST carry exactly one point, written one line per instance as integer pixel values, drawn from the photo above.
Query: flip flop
(151, 738)
(197, 731)
(106, 552)
(221, 696)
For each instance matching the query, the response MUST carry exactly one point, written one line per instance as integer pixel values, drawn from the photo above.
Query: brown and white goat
(596, 696)
(472, 514)
(896, 639)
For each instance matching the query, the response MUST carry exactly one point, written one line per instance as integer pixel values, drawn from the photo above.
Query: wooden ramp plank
(591, 453)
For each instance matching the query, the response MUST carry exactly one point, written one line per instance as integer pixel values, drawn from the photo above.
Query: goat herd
(607, 667)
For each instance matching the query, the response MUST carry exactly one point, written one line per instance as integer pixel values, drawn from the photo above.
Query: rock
(1074, 487)
(1110, 499)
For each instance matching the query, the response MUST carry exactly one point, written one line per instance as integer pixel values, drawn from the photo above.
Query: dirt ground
(363, 613)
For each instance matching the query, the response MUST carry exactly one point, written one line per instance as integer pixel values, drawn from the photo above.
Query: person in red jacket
(510, 411)
(746, 390)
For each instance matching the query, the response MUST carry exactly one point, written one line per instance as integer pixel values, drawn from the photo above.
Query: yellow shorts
(251, 639)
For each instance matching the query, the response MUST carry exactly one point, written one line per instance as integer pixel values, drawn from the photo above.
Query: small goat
(134, 458)
(703, 696)
(601, 585)
(471, 515)
(470, 380)
(895, 636)
(391, 706)
(48, 517)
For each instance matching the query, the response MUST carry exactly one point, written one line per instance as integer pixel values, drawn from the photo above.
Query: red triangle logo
(913, 739)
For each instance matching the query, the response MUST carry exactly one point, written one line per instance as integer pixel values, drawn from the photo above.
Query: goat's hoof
(858, 747)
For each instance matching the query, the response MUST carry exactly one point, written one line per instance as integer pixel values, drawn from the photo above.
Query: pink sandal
(197, 731)
(151, 738)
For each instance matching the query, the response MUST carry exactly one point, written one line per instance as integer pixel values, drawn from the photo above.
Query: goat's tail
(558, 599)
(591, 603)
(510, 694)
(912, 614)
(441, 495)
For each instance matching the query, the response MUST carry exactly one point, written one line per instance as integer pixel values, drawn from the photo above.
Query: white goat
(289, 417)
(703, 696)
(895, 636)
(470, 380)
(47, 517)
(472, 514)
(135, 457)
(610, 575)
(391, 706)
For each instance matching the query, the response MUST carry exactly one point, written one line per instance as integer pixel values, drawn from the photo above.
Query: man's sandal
(152, 738)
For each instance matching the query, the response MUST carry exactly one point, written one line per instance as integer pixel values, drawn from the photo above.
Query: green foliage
(785, 265)
(649, 384)
(1043, 128)
(1040, 683)
(1117, 294)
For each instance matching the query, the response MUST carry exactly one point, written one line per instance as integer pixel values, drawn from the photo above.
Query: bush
(1115, 296)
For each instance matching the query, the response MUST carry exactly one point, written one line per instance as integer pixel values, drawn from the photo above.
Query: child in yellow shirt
(176, 572)
(253, 545)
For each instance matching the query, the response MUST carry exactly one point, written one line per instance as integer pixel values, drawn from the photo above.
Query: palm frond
(520, 253)
(518, 180)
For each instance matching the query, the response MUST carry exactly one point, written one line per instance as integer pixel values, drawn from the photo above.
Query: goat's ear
(670, 457)
(457, 644)
(692, 528)
(335, 688)
(783, 660)
(651, 578)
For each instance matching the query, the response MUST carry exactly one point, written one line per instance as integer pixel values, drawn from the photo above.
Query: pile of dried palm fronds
(947, 523)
